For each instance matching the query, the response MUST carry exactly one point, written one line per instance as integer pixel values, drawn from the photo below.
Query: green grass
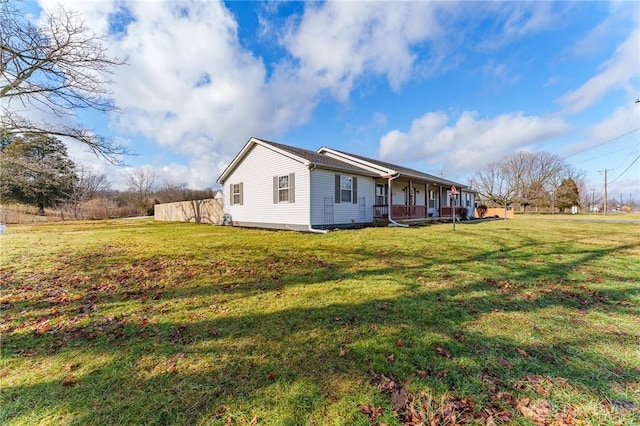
(137, 322)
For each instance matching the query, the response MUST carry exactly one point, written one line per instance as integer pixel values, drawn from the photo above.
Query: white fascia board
(236, 160)
(376, 168)
(247, 147)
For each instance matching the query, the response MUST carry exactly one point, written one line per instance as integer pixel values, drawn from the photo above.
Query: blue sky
(445, 87)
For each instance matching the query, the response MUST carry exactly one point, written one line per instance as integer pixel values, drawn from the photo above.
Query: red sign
(454, 190)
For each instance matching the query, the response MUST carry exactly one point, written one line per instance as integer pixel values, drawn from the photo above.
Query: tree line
(530, 179)
(37, 171)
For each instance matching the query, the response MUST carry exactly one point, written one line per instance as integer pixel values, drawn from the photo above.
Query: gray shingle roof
(405, 171)
(332, 163)
(320, 159)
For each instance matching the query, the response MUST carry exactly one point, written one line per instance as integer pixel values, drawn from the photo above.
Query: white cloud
(622, 120)
(471, 142)
(615, 73)
(193, 89)
(334, 43)
(514, 20)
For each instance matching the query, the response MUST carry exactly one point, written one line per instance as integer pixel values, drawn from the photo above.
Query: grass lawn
(522, 322)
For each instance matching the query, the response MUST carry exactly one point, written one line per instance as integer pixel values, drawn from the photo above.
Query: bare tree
(524, 178)
(88, 184)
(141, 182)
(495, 184)
(54, 66)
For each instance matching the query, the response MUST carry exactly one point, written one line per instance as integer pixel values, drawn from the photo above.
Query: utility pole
(606, 194)
(593, 200)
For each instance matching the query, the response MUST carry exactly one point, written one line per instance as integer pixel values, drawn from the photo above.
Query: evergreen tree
(567, 195)
(36, 170)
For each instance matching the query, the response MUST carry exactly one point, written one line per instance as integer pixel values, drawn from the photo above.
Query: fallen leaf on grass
(522, 353)
(68, 367)
(504, 416)
(371, 411)
(254, 421)
(399, 343)
(171, 366)
(537, 412)
(566, 417)
(539, 389)
(391, 358)
(70, 381)
(273, 375)
(386, 384)
(441, 373)
(342, 353)
(443, 352)
(506, 398)
(505, 363)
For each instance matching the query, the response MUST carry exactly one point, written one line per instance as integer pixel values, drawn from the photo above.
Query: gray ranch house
(271, 185)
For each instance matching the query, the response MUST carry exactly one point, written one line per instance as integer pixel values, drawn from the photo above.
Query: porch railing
(399, 211)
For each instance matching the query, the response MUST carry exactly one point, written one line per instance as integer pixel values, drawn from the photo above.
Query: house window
(345, 189)
(283, 188)
(236, 193)
(467, 200)
(432, 199)
(381, 194)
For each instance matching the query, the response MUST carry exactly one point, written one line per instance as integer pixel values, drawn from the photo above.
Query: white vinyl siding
(323, 200)
(256, 172)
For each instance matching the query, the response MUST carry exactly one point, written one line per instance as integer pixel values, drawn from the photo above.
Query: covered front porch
(414, 200)
(381, 211)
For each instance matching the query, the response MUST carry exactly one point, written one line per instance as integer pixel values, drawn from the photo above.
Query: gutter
(391, 221)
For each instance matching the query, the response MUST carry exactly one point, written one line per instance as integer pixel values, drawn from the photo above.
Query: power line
(608, 153)
(603, 143)
(625, 170)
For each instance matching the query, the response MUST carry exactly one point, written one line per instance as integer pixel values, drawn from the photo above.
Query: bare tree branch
(56, 66)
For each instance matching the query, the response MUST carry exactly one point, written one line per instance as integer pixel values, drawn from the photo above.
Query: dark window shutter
(354, 190)
(275, 190)
(231, 194)
(337, 194)
(292, 187)
(241, 193)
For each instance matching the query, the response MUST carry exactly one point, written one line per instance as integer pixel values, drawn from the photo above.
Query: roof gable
(333, 159)
(247, 148)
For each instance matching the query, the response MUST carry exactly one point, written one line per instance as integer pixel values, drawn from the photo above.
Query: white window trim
(343, 180)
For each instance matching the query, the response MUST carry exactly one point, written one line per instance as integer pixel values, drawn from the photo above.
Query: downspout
(391, 221)
(317, 231)
(312, 167)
